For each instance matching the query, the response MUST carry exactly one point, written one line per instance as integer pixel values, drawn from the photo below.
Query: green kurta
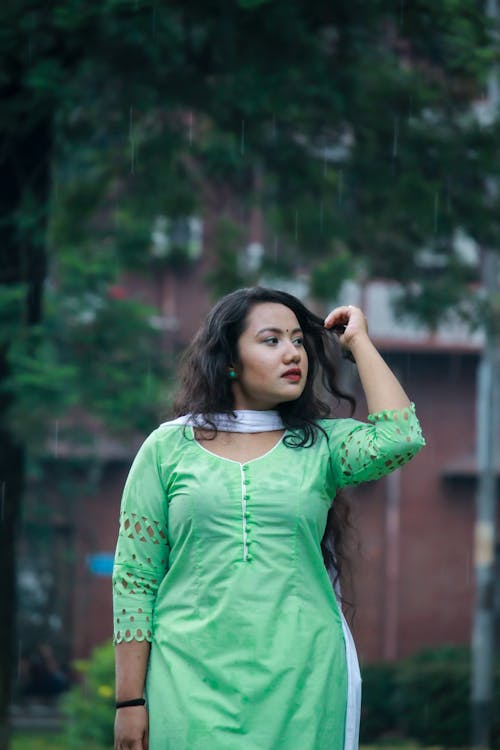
(219, 565)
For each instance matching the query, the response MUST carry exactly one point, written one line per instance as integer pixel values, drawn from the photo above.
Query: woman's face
(272, 365)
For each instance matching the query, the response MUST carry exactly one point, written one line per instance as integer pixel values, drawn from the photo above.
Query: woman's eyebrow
(271, 329)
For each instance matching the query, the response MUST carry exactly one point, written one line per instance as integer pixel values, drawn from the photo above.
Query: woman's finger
(339, 316)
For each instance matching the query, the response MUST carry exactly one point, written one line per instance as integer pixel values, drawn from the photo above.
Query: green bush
(43, 741)
(377, 708)
(89, 706)
(432, 697)
(424, 697)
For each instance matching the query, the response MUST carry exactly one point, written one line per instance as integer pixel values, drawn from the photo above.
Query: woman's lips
(293, 375)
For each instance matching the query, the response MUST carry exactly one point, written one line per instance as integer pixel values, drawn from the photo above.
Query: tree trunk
(24, 182)
(11, 486)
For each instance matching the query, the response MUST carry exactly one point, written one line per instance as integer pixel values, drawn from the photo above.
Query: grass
(43, 741)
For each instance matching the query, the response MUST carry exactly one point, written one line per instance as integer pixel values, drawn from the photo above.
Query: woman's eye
(299, 341)
(271, 340)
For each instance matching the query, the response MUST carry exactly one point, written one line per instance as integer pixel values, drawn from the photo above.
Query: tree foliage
(359, 118)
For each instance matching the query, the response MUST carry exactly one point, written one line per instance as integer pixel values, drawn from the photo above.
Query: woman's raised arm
(381, 387)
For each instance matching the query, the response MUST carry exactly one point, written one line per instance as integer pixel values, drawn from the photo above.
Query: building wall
(97, 524)
(434, 584)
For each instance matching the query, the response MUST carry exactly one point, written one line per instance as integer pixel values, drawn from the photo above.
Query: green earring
(232, 375)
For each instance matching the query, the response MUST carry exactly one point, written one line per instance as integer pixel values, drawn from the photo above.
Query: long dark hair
(205, 388)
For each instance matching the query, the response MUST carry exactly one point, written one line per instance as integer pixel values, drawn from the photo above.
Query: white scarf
(245, 420)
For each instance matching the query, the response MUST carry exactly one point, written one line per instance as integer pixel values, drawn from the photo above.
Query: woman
(225, 613)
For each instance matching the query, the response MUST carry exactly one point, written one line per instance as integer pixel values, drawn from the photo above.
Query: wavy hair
(205, 388)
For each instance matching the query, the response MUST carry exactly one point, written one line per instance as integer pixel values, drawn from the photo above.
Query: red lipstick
(293, 374)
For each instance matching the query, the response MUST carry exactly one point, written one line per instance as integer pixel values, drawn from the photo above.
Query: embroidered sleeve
(142, 550)
(365, 451)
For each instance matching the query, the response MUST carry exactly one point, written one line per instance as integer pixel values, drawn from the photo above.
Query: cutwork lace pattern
(398, 428)
(136, 580)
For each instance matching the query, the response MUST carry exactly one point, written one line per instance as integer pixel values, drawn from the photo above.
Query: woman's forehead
(271, 315)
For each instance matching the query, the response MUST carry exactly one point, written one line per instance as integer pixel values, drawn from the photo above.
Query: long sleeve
(142, 551)
(360, 452)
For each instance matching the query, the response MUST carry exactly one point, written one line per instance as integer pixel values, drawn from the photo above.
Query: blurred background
(156, 155)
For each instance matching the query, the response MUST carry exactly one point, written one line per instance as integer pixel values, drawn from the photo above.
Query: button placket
(244, 513)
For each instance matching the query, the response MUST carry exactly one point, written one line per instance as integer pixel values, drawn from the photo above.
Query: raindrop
(116, 216)
(56, 438)
(242, 143)
(131, 140)
(395, 138)
(19, 664)
(32, 26)
(340, 187)
(2, 502)
(436, 210)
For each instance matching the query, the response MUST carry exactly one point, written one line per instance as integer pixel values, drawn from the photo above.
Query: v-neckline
(233, 460)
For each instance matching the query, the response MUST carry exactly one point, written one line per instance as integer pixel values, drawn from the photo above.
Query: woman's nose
(291, 354)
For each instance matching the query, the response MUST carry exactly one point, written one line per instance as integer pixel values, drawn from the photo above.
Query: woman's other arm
(141, 563)
(131, 723)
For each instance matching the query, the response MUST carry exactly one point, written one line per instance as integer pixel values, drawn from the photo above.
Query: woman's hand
(349, 323)
(131, 728)
(381, 387)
